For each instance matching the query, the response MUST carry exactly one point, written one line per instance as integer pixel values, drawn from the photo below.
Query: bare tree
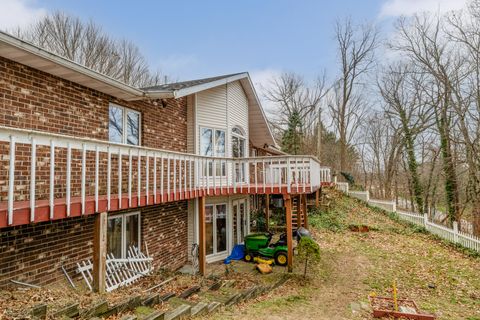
(88, 45)
(296, 102)
(356, 47)
(400, 87)
(423, 42)
(464, 29)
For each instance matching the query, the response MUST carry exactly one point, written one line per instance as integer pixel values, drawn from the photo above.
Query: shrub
(308, 251)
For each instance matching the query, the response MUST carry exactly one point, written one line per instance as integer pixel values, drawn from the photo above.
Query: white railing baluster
(184, 175)
(139, 177)
(52, 179)
(147, 178)
(190, 175)
(11, 179)
(304, 176)
(214, 175)
(84, 169)
(69, 177)
(129, 186)
(97, 163)
(289, 176)
(197, 176)
(221, 176)
(264, 176)
(119, 178)
(256, 176)
(234, 175)
(180, 177)
(174, 178)
(109, 176)
(227, 175)
(33, 167)
(168, 177)
(155, 178)
(207, 176)
(271, 176)
(161, 177)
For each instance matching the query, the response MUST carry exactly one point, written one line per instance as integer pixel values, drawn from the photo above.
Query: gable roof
(187, 84)
(28, 54)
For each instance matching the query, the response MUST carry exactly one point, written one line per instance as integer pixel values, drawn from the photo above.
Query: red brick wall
(34, 253)
(165, 230)
(32, 99)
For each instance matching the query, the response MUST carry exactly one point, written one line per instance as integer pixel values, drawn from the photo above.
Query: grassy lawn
(440, 278)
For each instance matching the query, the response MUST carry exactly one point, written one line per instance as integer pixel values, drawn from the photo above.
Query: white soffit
(27, 54)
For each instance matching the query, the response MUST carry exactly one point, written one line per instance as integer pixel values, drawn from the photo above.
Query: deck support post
(317, 198)
(267, 211)
(288, 209)
(202, 231)
(305, 211)
(100, 252)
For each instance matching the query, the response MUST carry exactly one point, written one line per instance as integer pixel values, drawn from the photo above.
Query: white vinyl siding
(238, 110)
(223, 107)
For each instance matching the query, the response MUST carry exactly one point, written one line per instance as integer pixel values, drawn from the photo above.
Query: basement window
(123, 232)
(123, 125)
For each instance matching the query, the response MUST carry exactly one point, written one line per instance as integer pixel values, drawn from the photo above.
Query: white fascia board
(261, 109)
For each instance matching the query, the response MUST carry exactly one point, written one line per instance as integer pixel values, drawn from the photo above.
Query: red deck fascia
(21, 209)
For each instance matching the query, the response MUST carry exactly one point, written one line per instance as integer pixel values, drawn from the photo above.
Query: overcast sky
(194, 39)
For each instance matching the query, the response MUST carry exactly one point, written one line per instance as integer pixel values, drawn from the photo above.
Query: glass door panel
(221, 227)
(131, 231)
(209, 229)
(114, 237)
(235, 221)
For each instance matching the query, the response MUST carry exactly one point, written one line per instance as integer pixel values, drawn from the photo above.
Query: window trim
(124, 230)
(214, 150)
(124, 123)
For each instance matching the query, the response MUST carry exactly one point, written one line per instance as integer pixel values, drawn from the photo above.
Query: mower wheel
(248, 257)
(281, 258)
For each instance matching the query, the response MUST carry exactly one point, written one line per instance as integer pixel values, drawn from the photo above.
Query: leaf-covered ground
(440, 278)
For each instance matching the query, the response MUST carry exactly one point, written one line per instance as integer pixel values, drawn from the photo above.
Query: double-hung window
(123, 125)
(212, 144)
(123, 232)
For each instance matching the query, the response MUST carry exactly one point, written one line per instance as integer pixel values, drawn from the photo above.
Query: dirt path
(441, 279)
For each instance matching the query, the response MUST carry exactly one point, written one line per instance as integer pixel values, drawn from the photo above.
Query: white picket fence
(120, 272)
(453, 235)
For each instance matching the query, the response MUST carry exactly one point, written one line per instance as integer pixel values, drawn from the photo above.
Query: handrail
(5, 132)
(97, 168)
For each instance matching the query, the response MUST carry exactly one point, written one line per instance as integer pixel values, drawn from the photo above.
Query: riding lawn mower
(259, 245)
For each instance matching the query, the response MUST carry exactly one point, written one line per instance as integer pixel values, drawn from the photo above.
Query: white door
(216, 228)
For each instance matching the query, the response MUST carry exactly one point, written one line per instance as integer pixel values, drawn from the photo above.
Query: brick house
(172, 165)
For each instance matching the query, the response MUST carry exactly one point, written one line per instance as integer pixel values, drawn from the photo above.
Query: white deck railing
(47, 167)
(453, 234)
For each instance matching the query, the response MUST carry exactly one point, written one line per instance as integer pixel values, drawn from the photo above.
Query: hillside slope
(440, 278)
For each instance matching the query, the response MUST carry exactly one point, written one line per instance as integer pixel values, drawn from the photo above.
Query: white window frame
(124, 123)
(124, 230)
(214, 149)
(214, 227)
